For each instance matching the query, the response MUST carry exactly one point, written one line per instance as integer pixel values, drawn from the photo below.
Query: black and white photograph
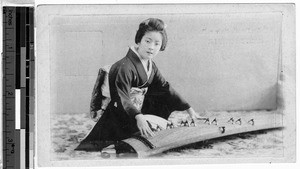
(142, 84)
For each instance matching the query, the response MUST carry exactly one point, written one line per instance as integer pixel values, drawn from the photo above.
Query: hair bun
(146, 22)
(154, 22)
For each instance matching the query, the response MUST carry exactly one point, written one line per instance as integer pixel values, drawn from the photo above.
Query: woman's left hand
(194, 116)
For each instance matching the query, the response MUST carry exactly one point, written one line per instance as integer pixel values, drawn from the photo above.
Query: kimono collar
(133, 48)
(138, 65)
(144, 62)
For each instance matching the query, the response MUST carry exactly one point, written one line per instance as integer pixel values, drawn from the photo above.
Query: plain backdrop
(215, 61)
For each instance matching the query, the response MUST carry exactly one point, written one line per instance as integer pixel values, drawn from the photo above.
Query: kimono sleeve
(123, 85)
(173, 98)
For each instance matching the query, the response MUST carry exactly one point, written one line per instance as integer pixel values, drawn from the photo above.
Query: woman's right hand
(143, 126)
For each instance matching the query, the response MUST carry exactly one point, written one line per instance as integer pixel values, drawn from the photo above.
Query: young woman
(122, 118)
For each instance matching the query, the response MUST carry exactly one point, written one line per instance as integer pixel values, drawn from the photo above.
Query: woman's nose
(151, 46)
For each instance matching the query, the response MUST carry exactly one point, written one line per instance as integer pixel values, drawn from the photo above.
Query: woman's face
(150, 45)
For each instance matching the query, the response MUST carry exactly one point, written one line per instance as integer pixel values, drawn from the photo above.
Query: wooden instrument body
(217, 125)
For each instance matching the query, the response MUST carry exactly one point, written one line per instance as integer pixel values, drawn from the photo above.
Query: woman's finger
(149, 131)
(145, 133)
(142, 132)
(200, 117)
(197, 116)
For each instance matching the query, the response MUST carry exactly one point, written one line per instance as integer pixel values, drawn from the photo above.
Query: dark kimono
(118, 120)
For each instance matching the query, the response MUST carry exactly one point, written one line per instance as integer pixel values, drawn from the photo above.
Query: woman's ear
(138, 45)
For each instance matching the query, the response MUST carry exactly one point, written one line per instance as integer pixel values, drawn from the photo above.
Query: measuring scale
(18, 87)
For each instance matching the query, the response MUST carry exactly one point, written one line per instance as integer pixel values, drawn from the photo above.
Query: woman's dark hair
(149, 25)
